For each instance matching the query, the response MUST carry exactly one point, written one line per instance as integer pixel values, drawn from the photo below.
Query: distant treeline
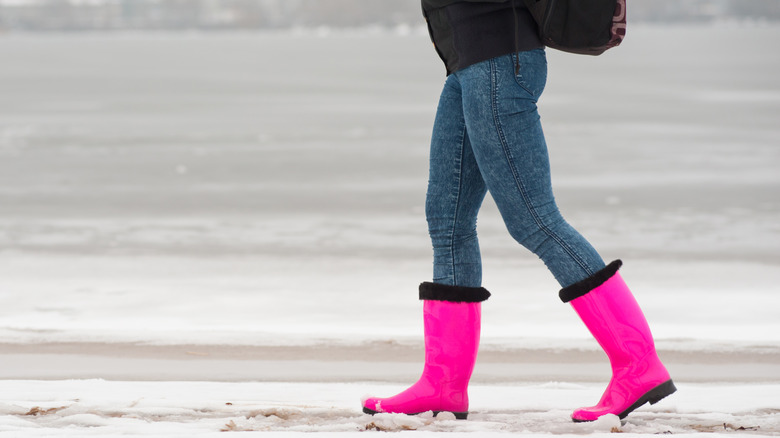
(71, 15)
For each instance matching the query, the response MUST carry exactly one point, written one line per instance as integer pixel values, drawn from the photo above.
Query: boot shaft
(609, 310)
(614, 318)
(452, 333)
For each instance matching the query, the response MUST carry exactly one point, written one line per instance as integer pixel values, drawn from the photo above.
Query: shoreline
(377, 361)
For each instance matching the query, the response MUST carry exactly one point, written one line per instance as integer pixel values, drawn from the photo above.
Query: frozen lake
(249, 207)
(292, 145)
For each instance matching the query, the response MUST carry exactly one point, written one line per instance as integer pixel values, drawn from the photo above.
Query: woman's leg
(455, 194)
(508, 142)
(452, 309)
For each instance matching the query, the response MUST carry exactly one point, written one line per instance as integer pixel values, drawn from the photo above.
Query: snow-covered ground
(94, 408)
(237, 218)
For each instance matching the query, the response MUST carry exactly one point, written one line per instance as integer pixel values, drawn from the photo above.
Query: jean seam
(457, 206)
(518, 182)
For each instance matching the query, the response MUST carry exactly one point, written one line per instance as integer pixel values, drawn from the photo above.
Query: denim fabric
(488, 137)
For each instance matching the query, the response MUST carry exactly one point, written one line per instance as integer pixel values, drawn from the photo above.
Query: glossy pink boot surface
(614, 318)
(452, 332)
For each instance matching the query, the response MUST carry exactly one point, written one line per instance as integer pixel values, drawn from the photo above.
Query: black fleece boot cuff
(455, 294)
(581, 288)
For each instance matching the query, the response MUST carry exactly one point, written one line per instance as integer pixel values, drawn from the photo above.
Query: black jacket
(465, 32)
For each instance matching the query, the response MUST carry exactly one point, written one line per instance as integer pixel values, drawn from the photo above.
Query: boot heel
(458, 415)
(653, 396)
(661, 391)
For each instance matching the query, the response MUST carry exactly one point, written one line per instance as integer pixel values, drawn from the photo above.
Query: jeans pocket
(531, 71)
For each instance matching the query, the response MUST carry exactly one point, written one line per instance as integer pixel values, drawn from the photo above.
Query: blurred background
(253, 173)
(75, 15)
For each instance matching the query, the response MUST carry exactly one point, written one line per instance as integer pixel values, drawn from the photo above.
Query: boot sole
(653, 396)
(458, 415)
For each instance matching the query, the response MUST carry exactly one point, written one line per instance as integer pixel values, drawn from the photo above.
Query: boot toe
(585, 415)
(372, 404)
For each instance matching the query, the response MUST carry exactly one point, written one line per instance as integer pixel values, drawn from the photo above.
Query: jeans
(488, 137)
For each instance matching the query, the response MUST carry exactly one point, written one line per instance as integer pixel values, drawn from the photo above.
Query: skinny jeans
(488, 136)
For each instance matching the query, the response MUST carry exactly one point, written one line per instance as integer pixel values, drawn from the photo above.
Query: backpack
(586, 27)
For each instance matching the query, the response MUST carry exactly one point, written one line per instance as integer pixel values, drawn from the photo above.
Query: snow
(103, 408)
(232, 239)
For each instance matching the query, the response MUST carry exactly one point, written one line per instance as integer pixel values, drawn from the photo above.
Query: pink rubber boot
(609, 310)
(452, 316)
